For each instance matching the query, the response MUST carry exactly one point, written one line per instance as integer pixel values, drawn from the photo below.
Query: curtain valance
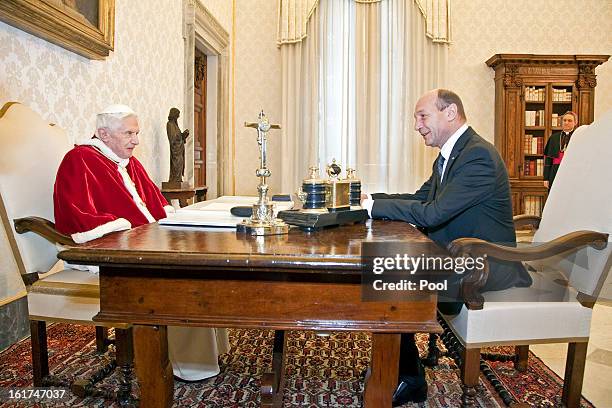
(293, 16)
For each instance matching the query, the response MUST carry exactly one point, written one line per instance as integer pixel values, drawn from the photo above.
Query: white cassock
(194, 351)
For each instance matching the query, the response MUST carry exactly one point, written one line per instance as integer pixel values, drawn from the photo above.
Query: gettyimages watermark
(412, 271)
(403, 271)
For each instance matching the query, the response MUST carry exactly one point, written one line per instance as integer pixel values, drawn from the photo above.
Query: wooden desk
(153, 276)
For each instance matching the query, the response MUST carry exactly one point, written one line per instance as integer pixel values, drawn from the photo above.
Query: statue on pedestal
(177, 139)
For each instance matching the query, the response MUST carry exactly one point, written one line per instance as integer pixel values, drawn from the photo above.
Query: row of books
(562, 95)
(533, 205)
(534, 118)
(533, 144)
(534, 167)
(533, 94)
(557, 120)
(538, 94)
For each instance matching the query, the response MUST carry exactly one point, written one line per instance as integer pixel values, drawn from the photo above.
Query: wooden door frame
(201, 30)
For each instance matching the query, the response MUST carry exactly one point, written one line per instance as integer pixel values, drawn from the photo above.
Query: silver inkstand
(327, 202)
(263, 220)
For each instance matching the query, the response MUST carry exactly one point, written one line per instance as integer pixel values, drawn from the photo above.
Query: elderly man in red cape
(101, 188)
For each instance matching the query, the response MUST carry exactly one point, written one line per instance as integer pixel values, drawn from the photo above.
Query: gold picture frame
(86, 27)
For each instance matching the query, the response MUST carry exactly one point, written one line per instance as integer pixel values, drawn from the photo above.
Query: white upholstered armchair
(30, 153)
(569, 263)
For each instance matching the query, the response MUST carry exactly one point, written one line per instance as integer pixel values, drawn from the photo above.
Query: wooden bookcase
(532, 92)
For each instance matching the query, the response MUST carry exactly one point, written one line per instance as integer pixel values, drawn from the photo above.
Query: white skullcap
(114, 109)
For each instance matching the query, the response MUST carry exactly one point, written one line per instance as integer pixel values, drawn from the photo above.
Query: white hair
(111, 117)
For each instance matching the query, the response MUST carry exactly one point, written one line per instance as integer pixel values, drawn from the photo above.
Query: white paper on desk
(216, 212)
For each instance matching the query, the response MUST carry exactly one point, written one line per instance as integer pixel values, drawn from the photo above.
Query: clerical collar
(447, 147)
(105, 150)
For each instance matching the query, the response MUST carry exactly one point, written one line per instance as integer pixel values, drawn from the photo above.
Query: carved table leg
(381, 379)
(470, 373)
(101, 339)
(272, 384)
(153, 367)
(433, 353)
(124, 357)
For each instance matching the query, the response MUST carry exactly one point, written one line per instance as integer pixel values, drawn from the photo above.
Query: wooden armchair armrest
(42, 227)
(474, 247)
(526, 220)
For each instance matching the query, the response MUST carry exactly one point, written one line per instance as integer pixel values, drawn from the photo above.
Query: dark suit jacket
(551, 151)
(473, 200)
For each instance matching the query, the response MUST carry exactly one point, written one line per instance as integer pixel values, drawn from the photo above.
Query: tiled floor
(597, 386)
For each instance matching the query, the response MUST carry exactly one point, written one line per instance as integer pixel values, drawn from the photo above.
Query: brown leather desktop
(153, 276)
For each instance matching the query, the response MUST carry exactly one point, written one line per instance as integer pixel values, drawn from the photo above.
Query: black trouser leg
(409, 356)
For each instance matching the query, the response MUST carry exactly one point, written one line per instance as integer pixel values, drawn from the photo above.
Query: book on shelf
(539, 167)
(534, 118)
(533, 205)
(540, 146)
(534, 167)
(527, 143)
(534, 94)
(533, 144)
(562, 95)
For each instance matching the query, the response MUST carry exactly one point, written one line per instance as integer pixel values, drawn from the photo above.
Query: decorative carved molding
(207, 24)
(200, 70)
(511, 78)
(202, 30)
(586, 76)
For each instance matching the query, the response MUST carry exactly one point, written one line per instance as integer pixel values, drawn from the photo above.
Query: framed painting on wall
(86, 27)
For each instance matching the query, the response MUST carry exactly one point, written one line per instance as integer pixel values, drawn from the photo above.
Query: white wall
(221, 10)
(258, 86)
(482, 28)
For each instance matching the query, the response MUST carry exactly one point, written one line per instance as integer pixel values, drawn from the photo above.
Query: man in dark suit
(467, 195)
(555, 147)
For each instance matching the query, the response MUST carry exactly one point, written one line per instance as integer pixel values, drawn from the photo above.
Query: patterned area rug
(321, 372)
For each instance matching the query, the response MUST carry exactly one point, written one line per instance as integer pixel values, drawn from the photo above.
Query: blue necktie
(441, 161)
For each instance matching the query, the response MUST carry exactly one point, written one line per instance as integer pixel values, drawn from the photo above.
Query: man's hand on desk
(367, 203)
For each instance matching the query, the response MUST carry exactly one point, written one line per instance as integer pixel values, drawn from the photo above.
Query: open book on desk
(216, 212)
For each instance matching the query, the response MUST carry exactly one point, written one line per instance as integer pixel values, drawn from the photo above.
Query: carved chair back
(581, 199)
(31, 151)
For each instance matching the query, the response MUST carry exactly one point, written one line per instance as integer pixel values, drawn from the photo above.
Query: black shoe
(410, 389)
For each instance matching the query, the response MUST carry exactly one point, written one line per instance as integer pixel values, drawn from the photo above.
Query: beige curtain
(293, 17)
(395, 64)
(437, 19)
(375, 59)
(337, 85)
(300, 96)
